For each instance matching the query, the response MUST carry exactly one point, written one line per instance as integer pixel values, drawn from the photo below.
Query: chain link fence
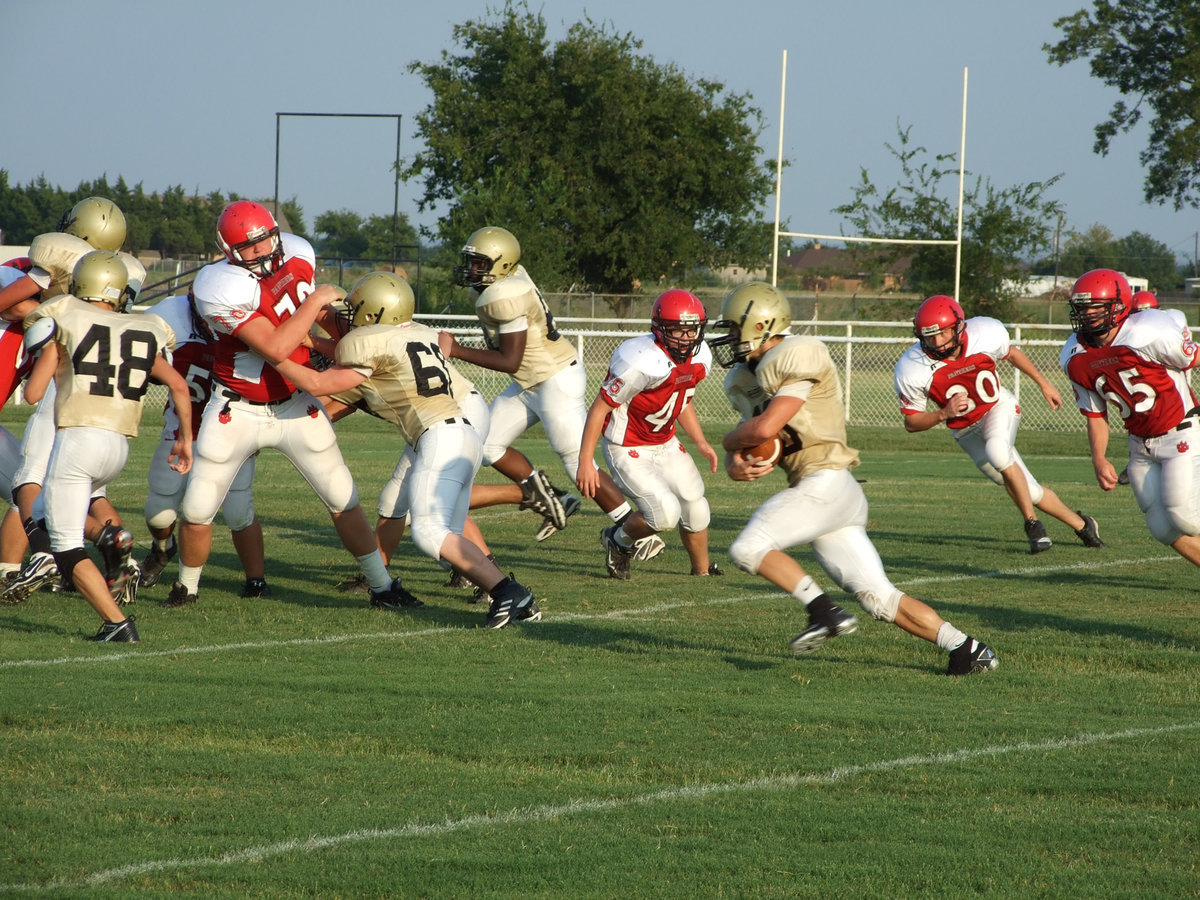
(864, 352)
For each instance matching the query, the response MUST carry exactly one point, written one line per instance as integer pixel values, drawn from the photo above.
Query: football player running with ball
(1137, 366)
(783, 382)
(649, 387)
(953, 365)
(398, 367)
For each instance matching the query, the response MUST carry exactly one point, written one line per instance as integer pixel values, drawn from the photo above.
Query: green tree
(1000, 228)
(340, 234)
(1135, 254)
(608, 167)
(1149, 50)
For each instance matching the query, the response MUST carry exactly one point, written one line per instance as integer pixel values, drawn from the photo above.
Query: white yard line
(318, 843)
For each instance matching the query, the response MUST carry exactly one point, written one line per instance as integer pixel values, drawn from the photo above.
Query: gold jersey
(503, 305)
(408, 382)
(104, 362)
(801, 366)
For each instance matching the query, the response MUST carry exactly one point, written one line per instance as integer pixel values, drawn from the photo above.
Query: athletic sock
(377, 574)
(950, 638)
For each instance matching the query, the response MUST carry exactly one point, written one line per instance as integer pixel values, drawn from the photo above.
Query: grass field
(646, 739)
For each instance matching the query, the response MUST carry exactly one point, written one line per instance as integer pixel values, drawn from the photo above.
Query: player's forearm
(923, 421)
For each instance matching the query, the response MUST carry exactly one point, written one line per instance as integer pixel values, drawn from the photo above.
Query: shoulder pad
(39, 334)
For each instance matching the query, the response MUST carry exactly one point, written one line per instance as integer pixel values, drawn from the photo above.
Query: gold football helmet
(98, 221)
(101, 276)
(489, 254)
(380, 298)
(750, 314)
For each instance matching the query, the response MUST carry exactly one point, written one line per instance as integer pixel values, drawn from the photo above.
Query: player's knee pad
(695, 515)
(238, 510)
(393, 501)
(1162, 526)
(881, 605)
(663, 514)
(342, 492)
(160, 511)
(67, 560)
(429, 535)
(747, 553)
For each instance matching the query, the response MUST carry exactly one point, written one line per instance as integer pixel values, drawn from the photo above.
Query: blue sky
(167, 93)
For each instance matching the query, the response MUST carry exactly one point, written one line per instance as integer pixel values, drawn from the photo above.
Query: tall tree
(609, 167)
(1001, 227)
(1149, 50)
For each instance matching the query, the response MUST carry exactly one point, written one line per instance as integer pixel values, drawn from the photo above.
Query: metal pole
(779, 172)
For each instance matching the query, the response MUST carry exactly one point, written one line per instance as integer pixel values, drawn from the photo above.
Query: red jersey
(648, 390)
(1142, 373)
(228, 296)
(192, 359)
(919, 379)
(14, 362)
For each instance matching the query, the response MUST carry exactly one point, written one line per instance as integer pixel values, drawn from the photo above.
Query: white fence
(865, 352)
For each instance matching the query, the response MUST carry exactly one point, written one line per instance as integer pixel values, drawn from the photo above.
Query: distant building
(1044, 285)
(836, 269)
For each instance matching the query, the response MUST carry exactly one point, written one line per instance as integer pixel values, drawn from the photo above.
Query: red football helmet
(677, 322)
(243, 224)
(934, 316)
(24, 263)
(1144, 300)
(1100, 301)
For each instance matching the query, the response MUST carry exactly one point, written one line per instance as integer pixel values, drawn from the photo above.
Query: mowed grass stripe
(110, 656)
(318, 843)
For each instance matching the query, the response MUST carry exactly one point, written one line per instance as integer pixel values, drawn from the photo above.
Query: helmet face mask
(96, 220)
(937, 318)
(677, 322)
(489, 254)
(750, 315)
(1101, 301)
(101, 277)
(378, 298)
(244, 224)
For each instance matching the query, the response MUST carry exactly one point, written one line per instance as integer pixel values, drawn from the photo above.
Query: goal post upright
(956, 242)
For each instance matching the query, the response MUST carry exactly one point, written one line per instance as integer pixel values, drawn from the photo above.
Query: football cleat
(570, 504)
(458, 579)
(712, 570)
(155, 562)
(648, 548)
(512, 603)
(40, 570)
(538, 494)
(124, 632)
(124, 587)
(395, 597)
(971, 657)
(836, 624)
(616, 557)
(1039, 541)
(178, 597)
(256, 587)
(1090, 532)
(356, 585)
(115, 545)
(480, 595)
(1123, 478)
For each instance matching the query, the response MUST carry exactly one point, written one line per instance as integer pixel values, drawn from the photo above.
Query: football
(768, 451)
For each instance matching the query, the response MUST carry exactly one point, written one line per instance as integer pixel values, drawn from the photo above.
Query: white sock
(623, 538)
(807, 590)
(189, 577)
(377, 574)
(949, 637)
(620, 512)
